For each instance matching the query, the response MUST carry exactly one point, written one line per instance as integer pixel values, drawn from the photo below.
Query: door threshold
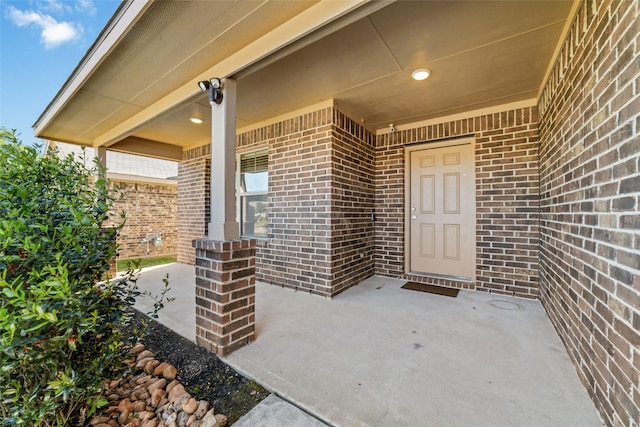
(460, 279)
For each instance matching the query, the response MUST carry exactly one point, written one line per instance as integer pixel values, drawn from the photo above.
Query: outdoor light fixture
(421, 74)
(214, 87)
(196, 120)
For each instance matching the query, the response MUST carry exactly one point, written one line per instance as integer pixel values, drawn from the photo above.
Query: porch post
(225, 263)
(223, 225)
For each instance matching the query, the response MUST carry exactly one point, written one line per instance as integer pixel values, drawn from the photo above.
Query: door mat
(432, 289)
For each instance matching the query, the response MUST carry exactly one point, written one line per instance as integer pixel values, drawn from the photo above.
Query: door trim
(408, 149)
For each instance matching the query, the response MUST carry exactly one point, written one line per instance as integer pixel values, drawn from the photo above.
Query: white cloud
(53, 33)
(54, 6)
(86, 6)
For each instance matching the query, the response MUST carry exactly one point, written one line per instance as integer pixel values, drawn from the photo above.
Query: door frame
(419, 146)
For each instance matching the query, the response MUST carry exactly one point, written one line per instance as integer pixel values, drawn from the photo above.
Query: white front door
(442, 211)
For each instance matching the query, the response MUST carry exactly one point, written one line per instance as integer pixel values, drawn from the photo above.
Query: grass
(145, 262)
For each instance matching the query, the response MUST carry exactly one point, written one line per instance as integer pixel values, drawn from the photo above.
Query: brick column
(225, 293)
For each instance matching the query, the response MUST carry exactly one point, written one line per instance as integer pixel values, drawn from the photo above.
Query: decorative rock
(176, 392)
(158, 369)
(157, 396)
(182, 418)
(170, 373)
(144, 379)
(137, 349)
(159, 384)
(99, 420)
(142, 362)
(146, 415)
(181, 401)
(203, 407)
(139, 406)
(153, 398)
(221, 420)
(190, 406)
(209, 420)
(171, 386)
(144, 354)
(124, 416)
(166, 370)
(150, 366)
(125, 405)
(171, 418)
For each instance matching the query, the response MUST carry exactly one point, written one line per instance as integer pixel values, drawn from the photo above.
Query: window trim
(240, 194)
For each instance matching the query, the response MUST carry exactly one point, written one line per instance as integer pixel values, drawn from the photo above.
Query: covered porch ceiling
(136, 88)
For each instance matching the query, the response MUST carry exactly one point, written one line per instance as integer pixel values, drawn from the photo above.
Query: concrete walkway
(178, 315)
(378, 355)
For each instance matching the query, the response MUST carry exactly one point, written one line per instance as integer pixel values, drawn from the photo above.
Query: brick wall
(506, 155)
(150, 208)
(320, 202)
(590, 197)
(194, 174)
(321, 190)
(298, 250)
(352, 198)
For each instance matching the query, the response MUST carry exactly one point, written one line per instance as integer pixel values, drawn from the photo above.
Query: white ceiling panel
(481, 53)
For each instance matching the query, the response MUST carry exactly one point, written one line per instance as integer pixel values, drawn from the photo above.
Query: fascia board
(127, 14)
(306, 22)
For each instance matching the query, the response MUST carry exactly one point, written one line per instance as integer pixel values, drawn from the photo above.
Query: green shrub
(61, 330)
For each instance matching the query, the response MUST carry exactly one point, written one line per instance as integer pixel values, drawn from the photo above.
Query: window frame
(240, 194)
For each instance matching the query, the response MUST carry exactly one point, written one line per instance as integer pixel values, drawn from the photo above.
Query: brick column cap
(223, 245)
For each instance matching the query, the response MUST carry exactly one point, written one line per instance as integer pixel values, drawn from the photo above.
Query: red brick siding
(297, 252)
(149, 208)
(194, 174)
(352, 198)
(590, 196)
(506, 200)
(320, 202)
(320, 232)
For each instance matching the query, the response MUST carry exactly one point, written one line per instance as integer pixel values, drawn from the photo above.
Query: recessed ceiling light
(421, 74)
(195, 120)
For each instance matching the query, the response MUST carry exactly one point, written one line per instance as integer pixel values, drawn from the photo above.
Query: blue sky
(41, 42)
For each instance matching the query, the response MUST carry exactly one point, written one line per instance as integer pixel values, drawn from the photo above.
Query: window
(252, 194)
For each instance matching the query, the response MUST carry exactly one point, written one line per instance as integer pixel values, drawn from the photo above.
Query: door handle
(413, 217)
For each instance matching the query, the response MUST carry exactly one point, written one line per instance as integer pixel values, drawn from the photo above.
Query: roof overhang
(136, 88)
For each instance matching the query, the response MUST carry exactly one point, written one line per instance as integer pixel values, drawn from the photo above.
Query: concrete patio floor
(378, 355)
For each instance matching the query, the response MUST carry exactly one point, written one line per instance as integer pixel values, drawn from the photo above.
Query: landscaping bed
(201, 372)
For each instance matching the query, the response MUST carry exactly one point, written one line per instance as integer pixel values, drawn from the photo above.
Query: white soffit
(288, 56)
(155, 66)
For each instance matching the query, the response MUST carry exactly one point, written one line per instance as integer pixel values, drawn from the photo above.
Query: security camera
(392, 128)
(212, 86)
